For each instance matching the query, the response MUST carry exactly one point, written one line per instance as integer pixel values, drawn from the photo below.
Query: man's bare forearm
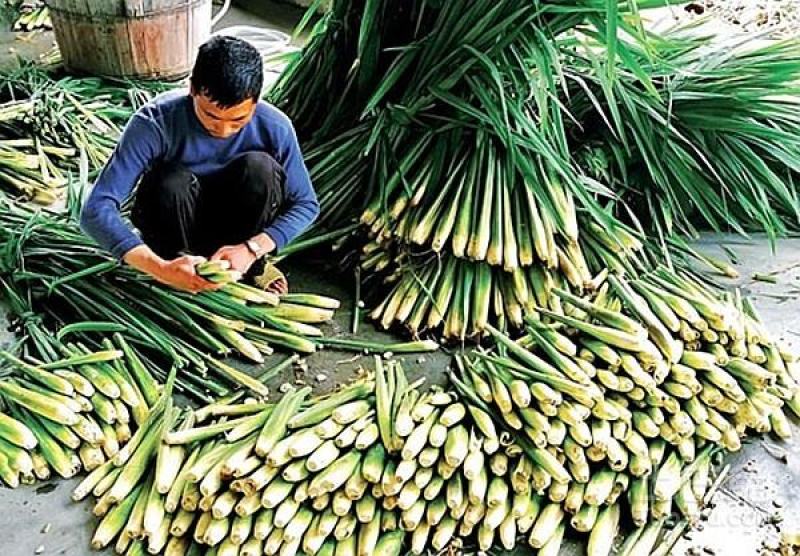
(144, 259)
(179, 273)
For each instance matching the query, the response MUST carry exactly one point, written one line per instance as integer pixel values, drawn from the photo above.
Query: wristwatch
(255, 248)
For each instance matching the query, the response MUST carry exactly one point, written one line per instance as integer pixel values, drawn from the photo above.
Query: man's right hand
(178, 273)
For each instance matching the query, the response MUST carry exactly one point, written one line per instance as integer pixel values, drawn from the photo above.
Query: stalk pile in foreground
(67, 408)
(46, 258)
(381, 466)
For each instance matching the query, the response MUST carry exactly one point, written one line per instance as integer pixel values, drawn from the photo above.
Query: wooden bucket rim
(127, 17)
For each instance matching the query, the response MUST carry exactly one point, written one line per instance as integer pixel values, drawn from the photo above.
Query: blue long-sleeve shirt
(167, 129)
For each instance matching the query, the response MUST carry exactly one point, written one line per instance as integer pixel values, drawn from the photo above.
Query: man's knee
(260, 172)
(256, 162)
(169, 183)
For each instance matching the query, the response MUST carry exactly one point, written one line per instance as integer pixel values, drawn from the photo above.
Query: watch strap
(255, 248)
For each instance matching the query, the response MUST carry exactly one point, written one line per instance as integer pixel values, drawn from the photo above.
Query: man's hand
(178, 273)
(239, 256)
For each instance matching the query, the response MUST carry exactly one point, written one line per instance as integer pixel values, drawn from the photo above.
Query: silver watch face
(254, 247)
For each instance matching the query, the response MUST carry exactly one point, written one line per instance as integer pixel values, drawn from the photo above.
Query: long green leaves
(523, 135)
(48, 266)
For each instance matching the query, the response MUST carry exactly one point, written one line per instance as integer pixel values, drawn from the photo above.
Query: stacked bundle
(363, 471)
(490, 149)
(322, 480)
(635, 386)
(72, 412)
(476, 184)
(46, 122)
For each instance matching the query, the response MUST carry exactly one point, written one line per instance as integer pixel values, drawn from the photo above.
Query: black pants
(178, 212)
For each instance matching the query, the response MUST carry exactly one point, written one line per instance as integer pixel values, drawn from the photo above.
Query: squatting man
(213, 172)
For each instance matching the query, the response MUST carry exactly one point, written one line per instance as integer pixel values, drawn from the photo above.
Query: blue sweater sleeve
(302, 206)
(139, 146)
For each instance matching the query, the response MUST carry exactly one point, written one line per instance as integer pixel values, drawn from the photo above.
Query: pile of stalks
(606, 412)
(384, 467)
(66, 408)
(51, 269)
(372, 469)
(492, 149)
(55, 128)
(637, 384)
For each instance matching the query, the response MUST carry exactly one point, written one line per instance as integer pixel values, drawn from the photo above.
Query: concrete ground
(757, 499)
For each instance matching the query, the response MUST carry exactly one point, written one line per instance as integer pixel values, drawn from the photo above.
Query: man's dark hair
(228, 70)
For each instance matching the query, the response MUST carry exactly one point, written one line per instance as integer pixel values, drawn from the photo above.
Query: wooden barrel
(145, 39)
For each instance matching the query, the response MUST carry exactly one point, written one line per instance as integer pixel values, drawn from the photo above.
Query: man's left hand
(239, 257)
